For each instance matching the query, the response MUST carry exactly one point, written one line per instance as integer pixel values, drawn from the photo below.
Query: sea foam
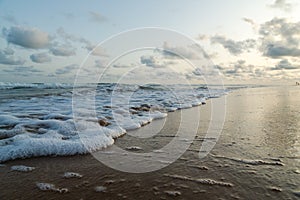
(38, 119)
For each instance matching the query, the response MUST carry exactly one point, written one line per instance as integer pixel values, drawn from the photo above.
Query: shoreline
(242, 165)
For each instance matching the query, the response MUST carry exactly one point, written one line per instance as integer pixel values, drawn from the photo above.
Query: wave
(43, 125)
(7, 86)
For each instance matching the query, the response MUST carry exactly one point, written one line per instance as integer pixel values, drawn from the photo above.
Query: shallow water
(38, 119)
(246, 162)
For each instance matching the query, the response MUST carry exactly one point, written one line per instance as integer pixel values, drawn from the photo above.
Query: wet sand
(256, 157)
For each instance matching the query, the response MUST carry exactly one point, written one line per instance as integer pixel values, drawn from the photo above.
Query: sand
(256, 157)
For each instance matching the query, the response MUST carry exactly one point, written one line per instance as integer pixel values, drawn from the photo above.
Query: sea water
(38, 120)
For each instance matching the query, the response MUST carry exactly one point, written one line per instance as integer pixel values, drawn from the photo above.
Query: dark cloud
(7, 58)
(284, 64)
(149, 61)
(280, 38)
(66, 70)
(275, 51)
(282, 5)
(27, 37)
(234, 47)
(63, 50)
(197, 72)
(240, 69)
(40, 58)
(179, 52)
(97, 17)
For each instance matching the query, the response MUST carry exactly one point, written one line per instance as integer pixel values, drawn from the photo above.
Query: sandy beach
(256, 157)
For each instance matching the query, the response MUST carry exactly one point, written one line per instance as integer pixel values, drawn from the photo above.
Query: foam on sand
(72, 175)
(100, 189)
(51, 187)
(253, 162)
(134, 148)
(37, 119)
(22, 168)
(201, 181)
(173, 193)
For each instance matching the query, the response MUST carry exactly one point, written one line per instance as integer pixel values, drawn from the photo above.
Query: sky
(245, 41)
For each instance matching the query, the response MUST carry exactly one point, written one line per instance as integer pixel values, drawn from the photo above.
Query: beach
(257, 156)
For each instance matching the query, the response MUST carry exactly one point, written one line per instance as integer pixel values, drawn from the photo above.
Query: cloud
(240, 69)
(27, 37)
(7, 58)
(119, 65)
(197, 72)
(9, 18)
(234, 47)
(8, 51)
(63, 50)
(68, 15)
(280, 38)
(282, 5)
(96, 51)
(284, 64)
(250, 21)
(97, 17)
(66, 70)
(149, 61)
(275, 51)
(177, 52)
(23, 70)
(40, 58)
(202, 37)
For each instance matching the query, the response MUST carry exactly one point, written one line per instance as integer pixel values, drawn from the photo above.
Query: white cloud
(280, 38)
(27, 37)
(282, 5)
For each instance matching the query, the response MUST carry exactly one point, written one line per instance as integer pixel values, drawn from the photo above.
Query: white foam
(46, 186)
(51, 187)
(4, 86)
(100, 189)
(22, 168)
(201, 180)
(253, 162)
(61, 138)
(72, 175)
(42, 125)
(173, 193)
(134, 148)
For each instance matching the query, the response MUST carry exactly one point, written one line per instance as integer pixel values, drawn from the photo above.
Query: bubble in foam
(22, 168)
(72, 175)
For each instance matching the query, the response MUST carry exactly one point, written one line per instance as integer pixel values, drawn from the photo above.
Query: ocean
(38, 120)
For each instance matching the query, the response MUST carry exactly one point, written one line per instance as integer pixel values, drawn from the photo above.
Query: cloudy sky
(248, 41)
